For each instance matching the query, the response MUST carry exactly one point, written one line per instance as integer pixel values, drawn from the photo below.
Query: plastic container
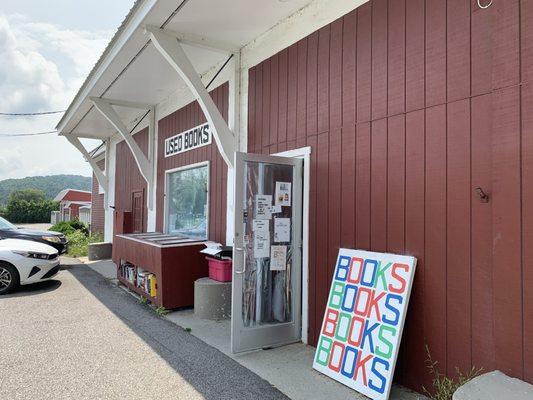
(219, 270)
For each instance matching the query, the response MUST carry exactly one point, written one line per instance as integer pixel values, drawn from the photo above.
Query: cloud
(41, 68)
(28, 81)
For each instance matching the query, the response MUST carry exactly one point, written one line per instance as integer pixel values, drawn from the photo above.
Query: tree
(29, 206)
(28, 195)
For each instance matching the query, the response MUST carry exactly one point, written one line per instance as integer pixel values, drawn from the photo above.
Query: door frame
(264, 158)
(305, 154)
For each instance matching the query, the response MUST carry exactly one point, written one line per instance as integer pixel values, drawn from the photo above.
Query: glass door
(267, 260)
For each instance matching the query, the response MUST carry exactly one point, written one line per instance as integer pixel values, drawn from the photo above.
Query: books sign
(192, 139)
(364, 319)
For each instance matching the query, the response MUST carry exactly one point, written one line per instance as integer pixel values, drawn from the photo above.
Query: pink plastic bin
(219, 270)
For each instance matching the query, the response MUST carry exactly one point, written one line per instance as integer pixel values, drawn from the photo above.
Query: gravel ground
(80, 337)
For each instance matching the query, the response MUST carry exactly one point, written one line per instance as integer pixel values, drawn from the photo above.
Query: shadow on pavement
(34, 289)
(212, 373)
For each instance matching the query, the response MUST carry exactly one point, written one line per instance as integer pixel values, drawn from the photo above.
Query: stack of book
(128, 272)
(147, 282)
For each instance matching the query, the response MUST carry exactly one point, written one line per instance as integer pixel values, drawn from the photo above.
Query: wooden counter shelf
(137, 290)
(175, 261)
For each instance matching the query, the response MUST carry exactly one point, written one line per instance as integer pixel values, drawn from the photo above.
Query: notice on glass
(282, 229)
(261, 245)
(283, 193)
(275, 209)
(261, 226)
(262, 206)
(278, 258)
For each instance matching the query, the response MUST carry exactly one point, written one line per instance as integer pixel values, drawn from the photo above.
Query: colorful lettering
(364, 319)
(379, 375)
(369, 273)
(330, 324)
(342, 268)
(348, 302)
(398, 278)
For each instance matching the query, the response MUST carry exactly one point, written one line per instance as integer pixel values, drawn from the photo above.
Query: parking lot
(81, 337)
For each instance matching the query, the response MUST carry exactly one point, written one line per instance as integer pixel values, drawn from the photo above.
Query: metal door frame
(257, 337)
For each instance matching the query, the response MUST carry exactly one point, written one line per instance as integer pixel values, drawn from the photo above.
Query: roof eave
(131, 23)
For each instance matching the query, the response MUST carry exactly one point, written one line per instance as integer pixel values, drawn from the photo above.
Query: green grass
(161, 311)
(443, 386)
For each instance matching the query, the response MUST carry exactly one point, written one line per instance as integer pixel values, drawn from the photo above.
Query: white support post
(100, 176)
(170, 48)
(152, 157)
(234, 124)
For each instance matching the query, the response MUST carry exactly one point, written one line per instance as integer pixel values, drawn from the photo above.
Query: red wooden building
(411, 117)
(70, 202)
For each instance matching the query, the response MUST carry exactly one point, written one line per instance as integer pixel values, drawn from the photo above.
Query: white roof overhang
(131, 68)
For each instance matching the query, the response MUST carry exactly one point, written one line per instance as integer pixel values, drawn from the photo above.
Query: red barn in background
(70, 202)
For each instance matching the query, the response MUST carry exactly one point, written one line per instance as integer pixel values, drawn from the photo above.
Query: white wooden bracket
(98, 173)
(170, 48)
(198, 41)
(145, 164)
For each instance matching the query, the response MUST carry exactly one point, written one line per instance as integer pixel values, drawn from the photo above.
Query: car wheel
(9, 278)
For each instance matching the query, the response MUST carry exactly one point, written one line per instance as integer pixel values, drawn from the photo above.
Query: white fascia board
(133, 24)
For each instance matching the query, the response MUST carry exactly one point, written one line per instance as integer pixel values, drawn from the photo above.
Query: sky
(47, 48)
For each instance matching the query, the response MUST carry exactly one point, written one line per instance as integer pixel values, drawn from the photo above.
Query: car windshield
(6, 224)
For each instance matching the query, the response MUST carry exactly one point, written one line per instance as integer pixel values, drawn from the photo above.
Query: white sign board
(192, 139)
(364, 319)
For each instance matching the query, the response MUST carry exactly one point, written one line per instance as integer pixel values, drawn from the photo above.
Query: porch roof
(131, 68)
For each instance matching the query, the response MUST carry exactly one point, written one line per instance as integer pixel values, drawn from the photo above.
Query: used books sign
(364, 319)
(188, 140)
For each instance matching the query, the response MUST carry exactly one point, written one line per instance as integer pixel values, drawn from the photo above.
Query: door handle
(243, 261)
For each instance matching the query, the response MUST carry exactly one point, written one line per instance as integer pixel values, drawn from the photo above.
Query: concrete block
(494, 386)
(212, 299)
(100, 251)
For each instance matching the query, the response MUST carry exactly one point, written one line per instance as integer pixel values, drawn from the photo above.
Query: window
(187, 202)
(4, 224)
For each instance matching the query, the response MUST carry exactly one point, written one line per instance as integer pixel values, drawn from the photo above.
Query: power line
(31, 114)
(26, 134)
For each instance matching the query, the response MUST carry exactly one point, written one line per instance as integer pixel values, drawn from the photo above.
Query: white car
(23, 262)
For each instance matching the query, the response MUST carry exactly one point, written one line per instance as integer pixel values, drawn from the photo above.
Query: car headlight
(30, 254)
(52, 239)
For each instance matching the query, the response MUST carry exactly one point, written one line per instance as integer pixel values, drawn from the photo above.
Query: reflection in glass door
(267, 259)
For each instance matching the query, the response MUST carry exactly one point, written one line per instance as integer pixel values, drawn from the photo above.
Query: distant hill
(50, 185)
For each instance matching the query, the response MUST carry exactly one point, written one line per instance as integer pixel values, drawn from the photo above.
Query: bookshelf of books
(161, 268)
(138, 279)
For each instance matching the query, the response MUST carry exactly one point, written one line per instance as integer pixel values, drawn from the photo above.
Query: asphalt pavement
(81, 337)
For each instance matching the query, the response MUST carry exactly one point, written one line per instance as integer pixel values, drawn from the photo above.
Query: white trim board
(305, 154)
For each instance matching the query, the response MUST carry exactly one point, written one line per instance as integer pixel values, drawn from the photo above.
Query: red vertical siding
(458, 257)
(435, 233)
(185, 118)
(128, 178)
(526, 42)
(410, 105)
(482, 263)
